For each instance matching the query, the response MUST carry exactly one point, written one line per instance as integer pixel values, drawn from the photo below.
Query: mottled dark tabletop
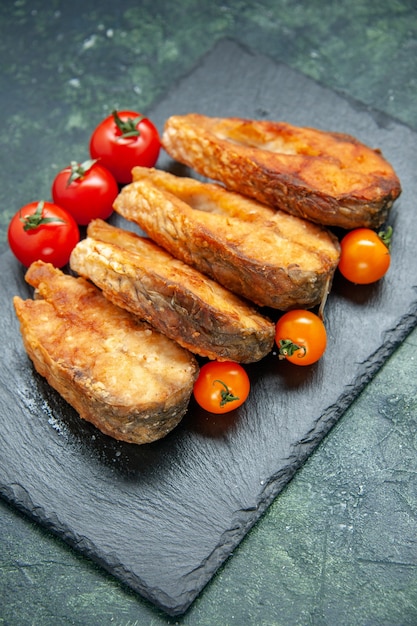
(338, 546)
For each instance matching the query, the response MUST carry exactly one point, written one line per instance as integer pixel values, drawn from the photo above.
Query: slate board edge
(245, 520)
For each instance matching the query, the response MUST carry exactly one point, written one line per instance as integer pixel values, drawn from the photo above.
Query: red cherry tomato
(364, 257)
(86, 190)
(300, 337)
(221, 386)
(123, 140)
(43, 231)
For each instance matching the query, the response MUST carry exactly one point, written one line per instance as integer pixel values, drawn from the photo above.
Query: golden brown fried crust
(131, 382)
(136, 274)
(329, 178)
(268, 257)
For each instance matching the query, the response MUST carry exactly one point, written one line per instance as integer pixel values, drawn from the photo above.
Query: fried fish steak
(176, 299)
(327, 177)
(130, 381)
(268, 257)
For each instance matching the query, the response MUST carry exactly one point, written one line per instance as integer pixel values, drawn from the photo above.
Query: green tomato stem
(79, 170)
(30, 222)
(386, 236)
(225, 394)
(127, 127)
(286, 347)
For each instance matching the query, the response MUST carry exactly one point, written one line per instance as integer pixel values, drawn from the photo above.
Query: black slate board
(163, 517)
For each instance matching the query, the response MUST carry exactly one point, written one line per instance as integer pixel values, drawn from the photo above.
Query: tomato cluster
(81, 192)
